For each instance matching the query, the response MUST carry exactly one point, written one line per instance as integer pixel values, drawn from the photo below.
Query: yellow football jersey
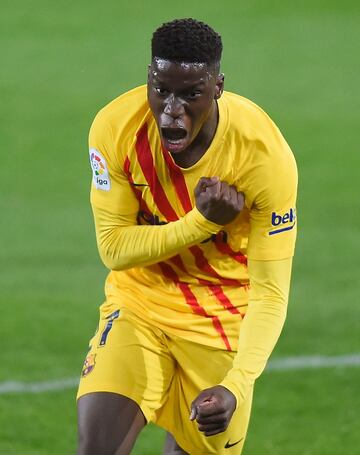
(168, 263)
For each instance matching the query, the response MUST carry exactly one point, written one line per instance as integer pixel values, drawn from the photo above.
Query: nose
(174, 107)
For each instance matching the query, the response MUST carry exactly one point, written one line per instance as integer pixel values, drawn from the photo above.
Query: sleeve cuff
(233, 389)
(196, 218)
(238, 384)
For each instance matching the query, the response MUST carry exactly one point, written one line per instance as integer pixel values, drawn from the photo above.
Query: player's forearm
(259, 332)
(267, 319)
(127, 246)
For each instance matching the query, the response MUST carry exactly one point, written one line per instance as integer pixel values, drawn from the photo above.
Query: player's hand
(213, 409)
(217, 201)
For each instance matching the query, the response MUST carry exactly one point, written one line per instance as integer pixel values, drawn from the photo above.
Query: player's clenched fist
(213, 409)
(217, 201)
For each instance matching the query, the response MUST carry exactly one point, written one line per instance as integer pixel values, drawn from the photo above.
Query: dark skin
(182, 98)
(108, 424)
(212, 409)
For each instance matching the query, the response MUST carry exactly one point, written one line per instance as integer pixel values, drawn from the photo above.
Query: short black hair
(187, 40)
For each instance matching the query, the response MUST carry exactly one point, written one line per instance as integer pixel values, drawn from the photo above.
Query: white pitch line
(280, 364)
(313, 361)
(37, 387)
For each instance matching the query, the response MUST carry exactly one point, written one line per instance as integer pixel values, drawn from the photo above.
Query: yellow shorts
(163, 374)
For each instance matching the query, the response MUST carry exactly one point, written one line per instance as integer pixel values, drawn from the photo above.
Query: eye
(161, 91)
(193, 95)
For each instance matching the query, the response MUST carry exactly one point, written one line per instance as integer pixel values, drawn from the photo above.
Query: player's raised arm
(123, 244)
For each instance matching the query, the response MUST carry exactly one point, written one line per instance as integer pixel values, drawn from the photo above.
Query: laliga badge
(101, 177)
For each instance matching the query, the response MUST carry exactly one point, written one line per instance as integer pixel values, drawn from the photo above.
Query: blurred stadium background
(61, 62)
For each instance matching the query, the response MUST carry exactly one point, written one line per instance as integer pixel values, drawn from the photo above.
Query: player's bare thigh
(108, 424)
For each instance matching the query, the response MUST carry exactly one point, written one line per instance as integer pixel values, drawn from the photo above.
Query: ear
(219, 87)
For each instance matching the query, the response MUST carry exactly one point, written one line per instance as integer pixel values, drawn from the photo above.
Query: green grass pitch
(61, 62)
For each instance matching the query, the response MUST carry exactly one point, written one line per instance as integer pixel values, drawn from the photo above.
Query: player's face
(182, 99)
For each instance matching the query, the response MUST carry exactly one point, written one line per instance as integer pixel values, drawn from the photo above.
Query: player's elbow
(111, 253)
(114, 262)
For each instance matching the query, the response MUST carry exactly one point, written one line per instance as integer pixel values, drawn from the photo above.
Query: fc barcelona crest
(89, 365)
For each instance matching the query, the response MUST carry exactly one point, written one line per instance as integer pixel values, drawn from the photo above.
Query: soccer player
(193, 196)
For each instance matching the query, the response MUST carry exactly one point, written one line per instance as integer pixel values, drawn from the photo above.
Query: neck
(201, 143)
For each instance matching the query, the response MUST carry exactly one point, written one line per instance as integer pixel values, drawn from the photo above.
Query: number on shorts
(108, 327)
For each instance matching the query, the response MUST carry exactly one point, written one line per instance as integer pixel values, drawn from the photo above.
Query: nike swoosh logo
(139, 184)
(228, 445)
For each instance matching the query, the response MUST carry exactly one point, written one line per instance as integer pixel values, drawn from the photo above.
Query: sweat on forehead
(160, 65)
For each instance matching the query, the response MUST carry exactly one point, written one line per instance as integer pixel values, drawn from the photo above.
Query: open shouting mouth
(174, 138)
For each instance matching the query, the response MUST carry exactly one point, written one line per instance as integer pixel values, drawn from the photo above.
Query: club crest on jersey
(101, 177)
(281, 223)
(89, 365)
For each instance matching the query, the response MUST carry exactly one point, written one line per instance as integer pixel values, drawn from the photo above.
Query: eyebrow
(191, 85)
